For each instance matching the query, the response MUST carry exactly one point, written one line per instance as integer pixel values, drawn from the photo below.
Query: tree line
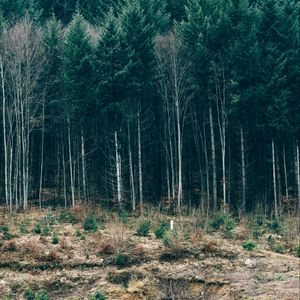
(178, 103)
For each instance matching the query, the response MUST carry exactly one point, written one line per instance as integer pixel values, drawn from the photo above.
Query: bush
(225, 222)
(276, 225)
(121, 260)
(90, 223)
(297, 250)
(144, 228)
(37, 228)
(98, 296)
(166, 240)
(67, 217)
(28, 294)
(78, 233)
(41, 295)
(49, 218)
(249, 245)
(22, 228)
(123, 216)
(5, 232)
(46, 230)
(161, 229)
(217, 222)
(55, 239)
(279, 249)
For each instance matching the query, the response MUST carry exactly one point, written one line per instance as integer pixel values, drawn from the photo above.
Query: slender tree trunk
(42, 156)
(64, 169)
(298, 173)
(244, 180)
(179, 150)
(213, 154)
(71, 165)
(83, 167)
(6, 178)
(140, 163)
(285, 174)
(118, 170)
(274, 179)
(131, 171)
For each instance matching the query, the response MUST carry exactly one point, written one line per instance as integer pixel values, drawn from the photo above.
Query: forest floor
(50, 250)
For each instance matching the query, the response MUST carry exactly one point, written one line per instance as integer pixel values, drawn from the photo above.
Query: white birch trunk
(243, 169)
(140, 163)
(274, 179)
(42, 157)
(71, 165)
(213, 154)
(285, 174)
(6, 161)
(83, 167)
(118, 170)
(131, 172)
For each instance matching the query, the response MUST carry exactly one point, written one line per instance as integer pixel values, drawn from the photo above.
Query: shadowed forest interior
(179, 104)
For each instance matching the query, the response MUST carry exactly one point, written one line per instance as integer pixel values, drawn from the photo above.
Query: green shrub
(278, 248)
(144, 228)
(121, 260)
(297, 250)
(28, 294)
(90, 223)
(98, 296)
(41, 295)
(78, 233)
(67, 217)
(218, 221)
(276, 225)
(37, 228)
(166, 240)
(223, 221)
(55, 239)
(5, 232)
(46, 230)
(249, 245)
(123, 216)
(49, 218)
(22, 228)
(161, 229)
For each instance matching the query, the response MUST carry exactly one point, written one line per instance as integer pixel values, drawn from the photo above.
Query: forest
(149, 149)
(181, 104)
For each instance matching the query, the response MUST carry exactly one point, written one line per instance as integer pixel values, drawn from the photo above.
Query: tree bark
(140, 163)
(83, 167)
(213, 154)
(118, 170)
(132, 188)
(243, 164)
(71, 165)
(274, 179)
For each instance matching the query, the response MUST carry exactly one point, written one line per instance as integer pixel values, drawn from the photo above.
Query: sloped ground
(200, 265)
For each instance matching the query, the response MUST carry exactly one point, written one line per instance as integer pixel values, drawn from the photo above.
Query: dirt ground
(123, 265)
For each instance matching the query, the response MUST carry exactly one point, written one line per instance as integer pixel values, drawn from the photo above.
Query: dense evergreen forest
(187, 103)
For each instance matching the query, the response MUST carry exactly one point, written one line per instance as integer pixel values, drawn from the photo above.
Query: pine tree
(156, 14)
(140, 37)
(113, 62)
(77, 67)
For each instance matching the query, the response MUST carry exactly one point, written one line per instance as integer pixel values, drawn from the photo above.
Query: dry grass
(10, 246)
(32, 247)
